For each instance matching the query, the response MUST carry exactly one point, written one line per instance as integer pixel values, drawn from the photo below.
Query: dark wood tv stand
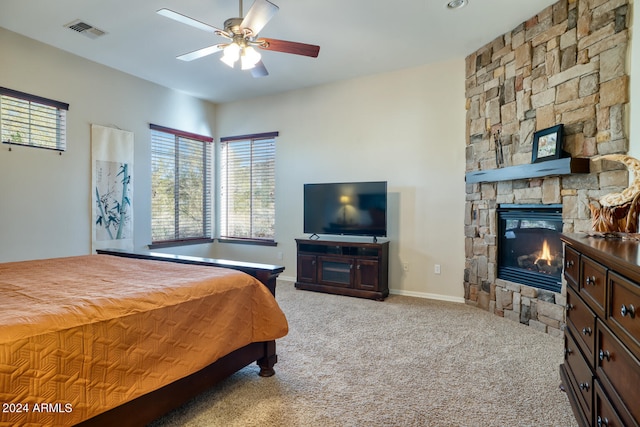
(344, 268)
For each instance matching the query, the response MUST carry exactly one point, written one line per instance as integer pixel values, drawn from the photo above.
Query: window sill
(256, 242)
(172, 243)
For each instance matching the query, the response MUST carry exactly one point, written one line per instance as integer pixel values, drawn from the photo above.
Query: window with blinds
(32, 121)
(247, 187)
(181, 180)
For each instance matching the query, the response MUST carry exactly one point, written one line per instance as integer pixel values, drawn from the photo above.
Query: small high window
(32, 121)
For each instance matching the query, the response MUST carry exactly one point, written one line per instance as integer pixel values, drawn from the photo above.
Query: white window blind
(247, 187)
(32, 120)
(181, 165)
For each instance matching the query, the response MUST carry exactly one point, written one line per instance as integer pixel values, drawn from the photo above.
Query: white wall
(45, 199)
(405, 127)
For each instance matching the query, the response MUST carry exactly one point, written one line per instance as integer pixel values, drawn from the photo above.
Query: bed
(120, 338)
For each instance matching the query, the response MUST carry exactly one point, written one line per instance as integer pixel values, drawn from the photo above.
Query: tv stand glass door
(335, 271)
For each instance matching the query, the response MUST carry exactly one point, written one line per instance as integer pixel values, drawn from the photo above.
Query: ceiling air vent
(85, 29)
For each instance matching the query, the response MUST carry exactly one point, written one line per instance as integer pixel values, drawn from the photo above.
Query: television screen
(350, 208)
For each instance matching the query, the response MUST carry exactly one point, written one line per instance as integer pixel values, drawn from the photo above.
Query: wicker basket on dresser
(601, 369)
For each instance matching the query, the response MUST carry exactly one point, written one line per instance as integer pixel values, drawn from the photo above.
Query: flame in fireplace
(545, 254)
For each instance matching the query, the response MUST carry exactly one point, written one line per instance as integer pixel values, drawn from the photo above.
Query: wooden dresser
(601, 369)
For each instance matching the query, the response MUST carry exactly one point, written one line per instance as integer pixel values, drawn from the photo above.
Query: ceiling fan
(243, 36)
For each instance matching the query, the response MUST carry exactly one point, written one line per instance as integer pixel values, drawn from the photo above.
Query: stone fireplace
(566, 65)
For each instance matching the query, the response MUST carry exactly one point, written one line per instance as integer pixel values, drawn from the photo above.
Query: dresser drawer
(571, 266)
(593, 284)
(604, 414)
(580, 373)
(582, 322)
(623, 310)
(619, 372)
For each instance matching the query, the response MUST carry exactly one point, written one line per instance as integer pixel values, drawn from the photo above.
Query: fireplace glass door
(529, 245)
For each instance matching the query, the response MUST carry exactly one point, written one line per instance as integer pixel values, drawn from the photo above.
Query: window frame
(208, 189)
(60, 115)
(223, 180)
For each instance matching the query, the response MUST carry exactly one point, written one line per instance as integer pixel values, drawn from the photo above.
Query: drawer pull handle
(569, 264)
(604, 354)
(602, 422)
(590, 280)
(567, 351)
(630, 310)
(569, 307)
(586, 331)
(584, 386)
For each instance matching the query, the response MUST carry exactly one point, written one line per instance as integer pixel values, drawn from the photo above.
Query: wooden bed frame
(151, 406)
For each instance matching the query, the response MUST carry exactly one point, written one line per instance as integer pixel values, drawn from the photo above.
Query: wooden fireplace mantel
(564, 166)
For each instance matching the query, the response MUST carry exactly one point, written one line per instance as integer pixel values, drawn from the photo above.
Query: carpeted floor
(402, 362)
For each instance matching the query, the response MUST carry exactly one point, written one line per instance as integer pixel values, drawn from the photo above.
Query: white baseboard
(403, 293)
(438, 297)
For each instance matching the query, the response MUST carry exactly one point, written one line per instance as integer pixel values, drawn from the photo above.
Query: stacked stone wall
(566, 65)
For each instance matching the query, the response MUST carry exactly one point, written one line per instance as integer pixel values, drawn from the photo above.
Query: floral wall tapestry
(112, 190)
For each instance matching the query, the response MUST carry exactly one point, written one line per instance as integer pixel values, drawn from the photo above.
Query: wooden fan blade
(186, 20)
(258, 15)
(200, 53)
(259, 70)
(289, 47)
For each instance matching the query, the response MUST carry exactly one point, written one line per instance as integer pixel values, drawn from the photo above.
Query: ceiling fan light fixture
(242, 38)
(249, 58)
(231, 54)
(457, 4)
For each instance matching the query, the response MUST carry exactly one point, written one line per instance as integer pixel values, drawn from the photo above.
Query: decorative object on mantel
(547, 144)
(618, 212)
(499, 151)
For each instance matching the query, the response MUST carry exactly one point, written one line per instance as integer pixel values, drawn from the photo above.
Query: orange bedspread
(81, 335)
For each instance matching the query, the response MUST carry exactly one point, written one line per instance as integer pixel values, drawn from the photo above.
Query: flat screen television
(346, 208)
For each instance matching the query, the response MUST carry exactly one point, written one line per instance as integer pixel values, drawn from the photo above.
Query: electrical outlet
(436, 268)
(405, 266)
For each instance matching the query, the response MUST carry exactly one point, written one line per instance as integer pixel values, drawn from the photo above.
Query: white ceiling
(356, 38)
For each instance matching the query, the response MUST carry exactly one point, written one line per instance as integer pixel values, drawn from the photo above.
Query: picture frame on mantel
(547, 144)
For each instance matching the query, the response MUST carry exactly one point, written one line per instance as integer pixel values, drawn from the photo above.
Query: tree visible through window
(32, 120)
(180, 186)
(247, 187)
